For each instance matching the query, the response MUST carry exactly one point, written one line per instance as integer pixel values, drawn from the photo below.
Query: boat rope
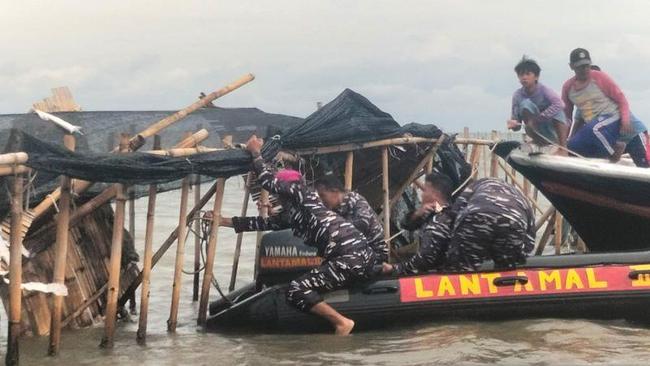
(204, 234)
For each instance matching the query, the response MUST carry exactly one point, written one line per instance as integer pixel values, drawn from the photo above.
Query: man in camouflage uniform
(347, 256)
(490, 220)
(353, 207)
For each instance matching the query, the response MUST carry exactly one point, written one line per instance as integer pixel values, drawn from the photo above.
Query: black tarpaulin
(131, 168)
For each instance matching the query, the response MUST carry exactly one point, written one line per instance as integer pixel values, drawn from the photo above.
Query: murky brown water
(539, 342)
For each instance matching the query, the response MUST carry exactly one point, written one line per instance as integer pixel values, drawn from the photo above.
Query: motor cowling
(284, 257)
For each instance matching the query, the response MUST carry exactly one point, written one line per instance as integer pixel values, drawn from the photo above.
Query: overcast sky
(443, 62)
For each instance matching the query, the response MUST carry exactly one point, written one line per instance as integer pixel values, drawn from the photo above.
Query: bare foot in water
(345, 328)
(619, 149)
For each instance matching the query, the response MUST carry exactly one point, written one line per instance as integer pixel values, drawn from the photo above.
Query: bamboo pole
(109, 192)
(240, 236)
(493, 157)
(141, 335)
(544, 218)
(212, 247)
(61, 253)
(197, 241)
(16, 169)
(15, 272)
(137, 141)
(131, 194)
(466, 136)
(164, 123)
(180, 256)
(428, 158)
(472, 141)
(115, 260)
(386, 191)
(170, 240)
(154, 260)
(13, 158)
(349, 170)
(264, 212)
(365, 145)
(533, 203)
(187, 151)
(558, 233)
(545, 235)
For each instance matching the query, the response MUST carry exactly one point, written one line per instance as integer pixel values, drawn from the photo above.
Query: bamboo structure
(139, 139)
(180, 256)
(240, 236)
(116, 257)
(141, 334)
(386, 189)
(349, 164)
(61, 249)
(15, 272)
(197, 241)
(212, 247)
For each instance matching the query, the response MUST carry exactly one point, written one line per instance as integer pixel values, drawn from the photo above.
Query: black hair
(595, 67)
(527, 65)
(441, 183)
(329, 182)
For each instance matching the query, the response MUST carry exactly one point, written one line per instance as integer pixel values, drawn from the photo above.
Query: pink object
(288, 175)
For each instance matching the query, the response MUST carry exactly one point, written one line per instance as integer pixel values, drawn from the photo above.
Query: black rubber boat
(607, 204)
(594, 286)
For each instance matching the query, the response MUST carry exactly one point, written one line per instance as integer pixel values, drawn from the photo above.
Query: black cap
(579, 57)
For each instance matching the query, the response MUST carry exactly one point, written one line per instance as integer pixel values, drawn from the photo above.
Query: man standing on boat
(637, 144)
(538, 107)
(355, 208)
(605, 110)
(347, 256)
(490, 220)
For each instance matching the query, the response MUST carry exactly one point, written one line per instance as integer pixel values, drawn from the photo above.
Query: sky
(444, 62)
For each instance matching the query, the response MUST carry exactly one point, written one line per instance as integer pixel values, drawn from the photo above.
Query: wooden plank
(349, 170)
(360, 146)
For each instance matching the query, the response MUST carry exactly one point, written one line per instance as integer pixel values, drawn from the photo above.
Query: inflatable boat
(608, 205)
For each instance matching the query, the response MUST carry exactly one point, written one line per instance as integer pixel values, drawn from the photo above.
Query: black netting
(348, 118)
(130, 168)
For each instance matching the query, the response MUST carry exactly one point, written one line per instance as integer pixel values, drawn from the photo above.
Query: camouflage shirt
(357, 210)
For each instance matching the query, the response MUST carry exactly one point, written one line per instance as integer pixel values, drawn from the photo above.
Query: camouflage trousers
(335, 273)
(487, 236)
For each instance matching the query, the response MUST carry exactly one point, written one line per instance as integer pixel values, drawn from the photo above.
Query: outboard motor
(283, 257)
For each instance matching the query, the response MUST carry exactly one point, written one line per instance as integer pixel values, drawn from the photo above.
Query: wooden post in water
(493, 157)
(558, 233)
(132, 198)
(116, 259)
(15, 271)
(141, 335)
(240, 236)
(466, 135)
(264, 212)
(61, 253)
(212, 247)
(197, 235)
(349, 170)
(180, 256)
(386, 192)
(197, 240)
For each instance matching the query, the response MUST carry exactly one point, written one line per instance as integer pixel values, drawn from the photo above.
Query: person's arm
(433, 245)
(568, 105)
(513, 123)
(258, 223)
(613, 92)
(556, 104)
